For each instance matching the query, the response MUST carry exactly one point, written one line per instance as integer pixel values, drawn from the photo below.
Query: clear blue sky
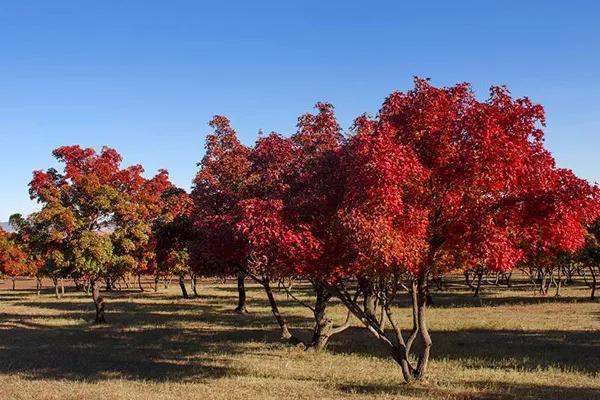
(146, 76)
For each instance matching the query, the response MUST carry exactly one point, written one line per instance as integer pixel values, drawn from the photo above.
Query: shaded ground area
(506, 345)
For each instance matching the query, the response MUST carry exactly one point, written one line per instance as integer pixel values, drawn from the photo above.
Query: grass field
(506, 345)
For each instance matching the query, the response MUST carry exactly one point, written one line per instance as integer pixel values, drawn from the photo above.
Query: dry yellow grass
(507, 345)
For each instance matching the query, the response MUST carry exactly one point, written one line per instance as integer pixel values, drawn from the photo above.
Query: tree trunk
(543, 286)
(370, 301)
(241, 288)
(558, 283)
(479, 277)
(508, 276)
(184, 292)
(285, 331)
(593, 294)
(156, 279)
(38, 285)
(421, 369)
(98, 302)
(62, 287)
(468, 280)
(140, 282)
(323, 324)
(400, 350)
(109, 286)
(56, 291)
(13, 283)
(194, 286)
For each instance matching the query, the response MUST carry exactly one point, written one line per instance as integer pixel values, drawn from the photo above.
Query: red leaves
(439, 180)
(274, 247)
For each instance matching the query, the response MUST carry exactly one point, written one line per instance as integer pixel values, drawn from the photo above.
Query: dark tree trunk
(283, 325)
(508, 276)
(593, 272)
(558, 283)
(323, 324)
(109, 286)
(139, 279)
(370, 301)
(241, 288)
(38, 285)
(98, 302)
(14, 279)
(478, 285)
(156, 280)
(468, 280)
(184, 292)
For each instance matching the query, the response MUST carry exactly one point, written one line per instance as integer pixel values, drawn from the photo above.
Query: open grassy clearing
(509, 344)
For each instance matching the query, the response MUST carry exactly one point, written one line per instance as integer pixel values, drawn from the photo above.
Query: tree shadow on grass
(144, 339)
(97, 352)
(133, 312)
(466, 299)
(506, 349)
(194, 340)
(478, 391)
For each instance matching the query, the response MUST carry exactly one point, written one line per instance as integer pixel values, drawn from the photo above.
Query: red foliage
(441, 180)
(437, 181)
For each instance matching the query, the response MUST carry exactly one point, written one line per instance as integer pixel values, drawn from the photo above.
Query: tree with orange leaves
(13, 259)
(83, 204)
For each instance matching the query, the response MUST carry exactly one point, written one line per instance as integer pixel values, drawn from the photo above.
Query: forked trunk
(399, 347)
(558, 283)
(98, 302)
(241, 288)
(508, 276)
(184, 292)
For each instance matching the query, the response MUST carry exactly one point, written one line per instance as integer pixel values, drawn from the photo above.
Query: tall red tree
(440, 181)
(218, 187)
